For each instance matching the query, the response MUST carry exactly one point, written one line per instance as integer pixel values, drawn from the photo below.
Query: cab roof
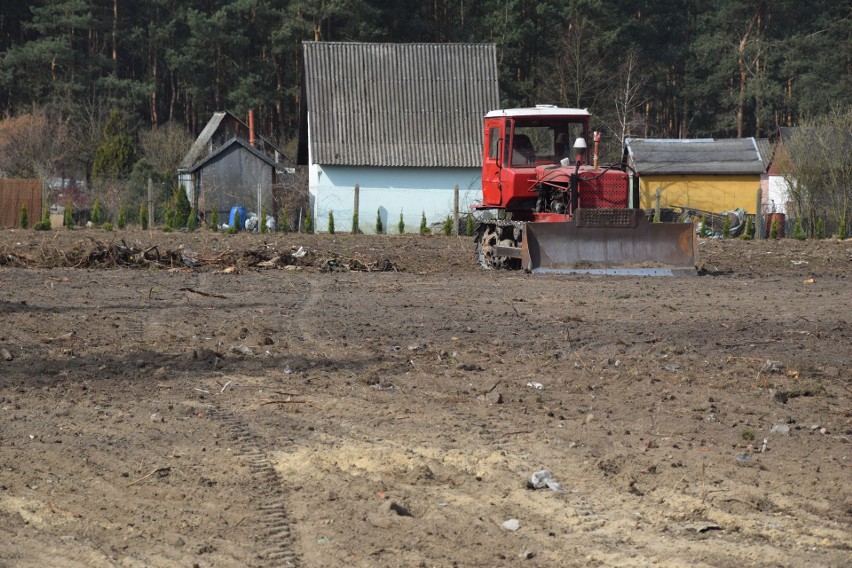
(540, 110)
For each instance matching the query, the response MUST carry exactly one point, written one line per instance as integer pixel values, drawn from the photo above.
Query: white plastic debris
(300, 253)
(535, 385)
(511, 525)
(544, 478)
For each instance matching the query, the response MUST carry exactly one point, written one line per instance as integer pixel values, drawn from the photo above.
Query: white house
(402, 121)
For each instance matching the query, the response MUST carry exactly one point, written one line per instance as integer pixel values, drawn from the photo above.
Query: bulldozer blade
(610, 241)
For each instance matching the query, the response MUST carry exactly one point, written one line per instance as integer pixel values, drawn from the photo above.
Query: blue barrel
(242, 212)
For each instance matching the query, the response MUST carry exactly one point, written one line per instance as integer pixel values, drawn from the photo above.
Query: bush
(726, 227)
(820, 229)
(97, 213)
(401, 225)
(748, 232)
(262, 222)
(107, 226)
(190, 220)
(214, 220)
(283, 222)
(235, 228)
(68, 218)
(448, 226)
(121, 221)
(773, 229)
(143, 216)
(309, 224)
(182, 208)
(424, 229)
(379, 227)
(798, 232)
(468, 229)
(169, 221)
(841, 230)
(44, 224)
(24, 217)
(331, 222)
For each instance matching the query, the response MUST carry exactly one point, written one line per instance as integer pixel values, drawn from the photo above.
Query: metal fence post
(456, 209)
(150, 203)
(355, 206)
(758, 216)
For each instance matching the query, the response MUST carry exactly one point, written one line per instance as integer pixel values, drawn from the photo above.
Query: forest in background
(154, 71)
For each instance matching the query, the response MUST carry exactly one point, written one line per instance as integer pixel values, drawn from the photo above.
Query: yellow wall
(709, 193)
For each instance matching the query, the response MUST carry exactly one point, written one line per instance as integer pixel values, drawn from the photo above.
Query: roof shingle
(372, 104)
(736, 156)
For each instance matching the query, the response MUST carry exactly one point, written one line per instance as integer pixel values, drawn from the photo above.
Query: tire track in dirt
(276, 539)
(312, 299)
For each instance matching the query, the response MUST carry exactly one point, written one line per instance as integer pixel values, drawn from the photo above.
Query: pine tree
(263, 228)
(44, 224)
(798, 231)
(191, 220)
(401, 225)
(24, 217)
(331, 222)
(121, 220)
(448, 226)
(820, 229)
(469, 226)
(726, 227)
(748, 232)
(773, 229)
(233, 229)
(379, 226)
(68, 218)
(143, 216)
(283, 222)
(355, 228)
(97, 213)
(115, 157)
(182, 208)
(424, 229)
(309, 224)
(214, 221)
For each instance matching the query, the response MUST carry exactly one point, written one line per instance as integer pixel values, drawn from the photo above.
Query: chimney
(251, 127)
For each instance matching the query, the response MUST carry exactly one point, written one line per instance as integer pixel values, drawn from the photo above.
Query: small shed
(402, 121)
(705, 173)
(236, 174)
(230, 165)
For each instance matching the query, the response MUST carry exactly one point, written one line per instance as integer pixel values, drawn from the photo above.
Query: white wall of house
(778, 197)
(411, 191)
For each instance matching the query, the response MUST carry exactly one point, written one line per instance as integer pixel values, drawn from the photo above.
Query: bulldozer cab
(518, 140)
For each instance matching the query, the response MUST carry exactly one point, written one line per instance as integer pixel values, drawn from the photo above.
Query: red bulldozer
(552, 209)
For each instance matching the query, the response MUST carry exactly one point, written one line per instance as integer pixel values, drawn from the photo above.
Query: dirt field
(380, 401)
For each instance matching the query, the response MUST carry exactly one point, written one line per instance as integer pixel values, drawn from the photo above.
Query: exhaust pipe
(597, 143)
(251, 127)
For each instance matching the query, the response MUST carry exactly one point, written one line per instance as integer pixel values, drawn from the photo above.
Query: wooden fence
(17, 192)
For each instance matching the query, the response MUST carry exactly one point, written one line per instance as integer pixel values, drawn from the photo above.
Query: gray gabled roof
(239, 142)
(199, 147)
(374, 104)
(736, 156)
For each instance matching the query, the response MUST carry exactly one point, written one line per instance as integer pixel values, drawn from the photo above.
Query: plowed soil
(381, 401)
